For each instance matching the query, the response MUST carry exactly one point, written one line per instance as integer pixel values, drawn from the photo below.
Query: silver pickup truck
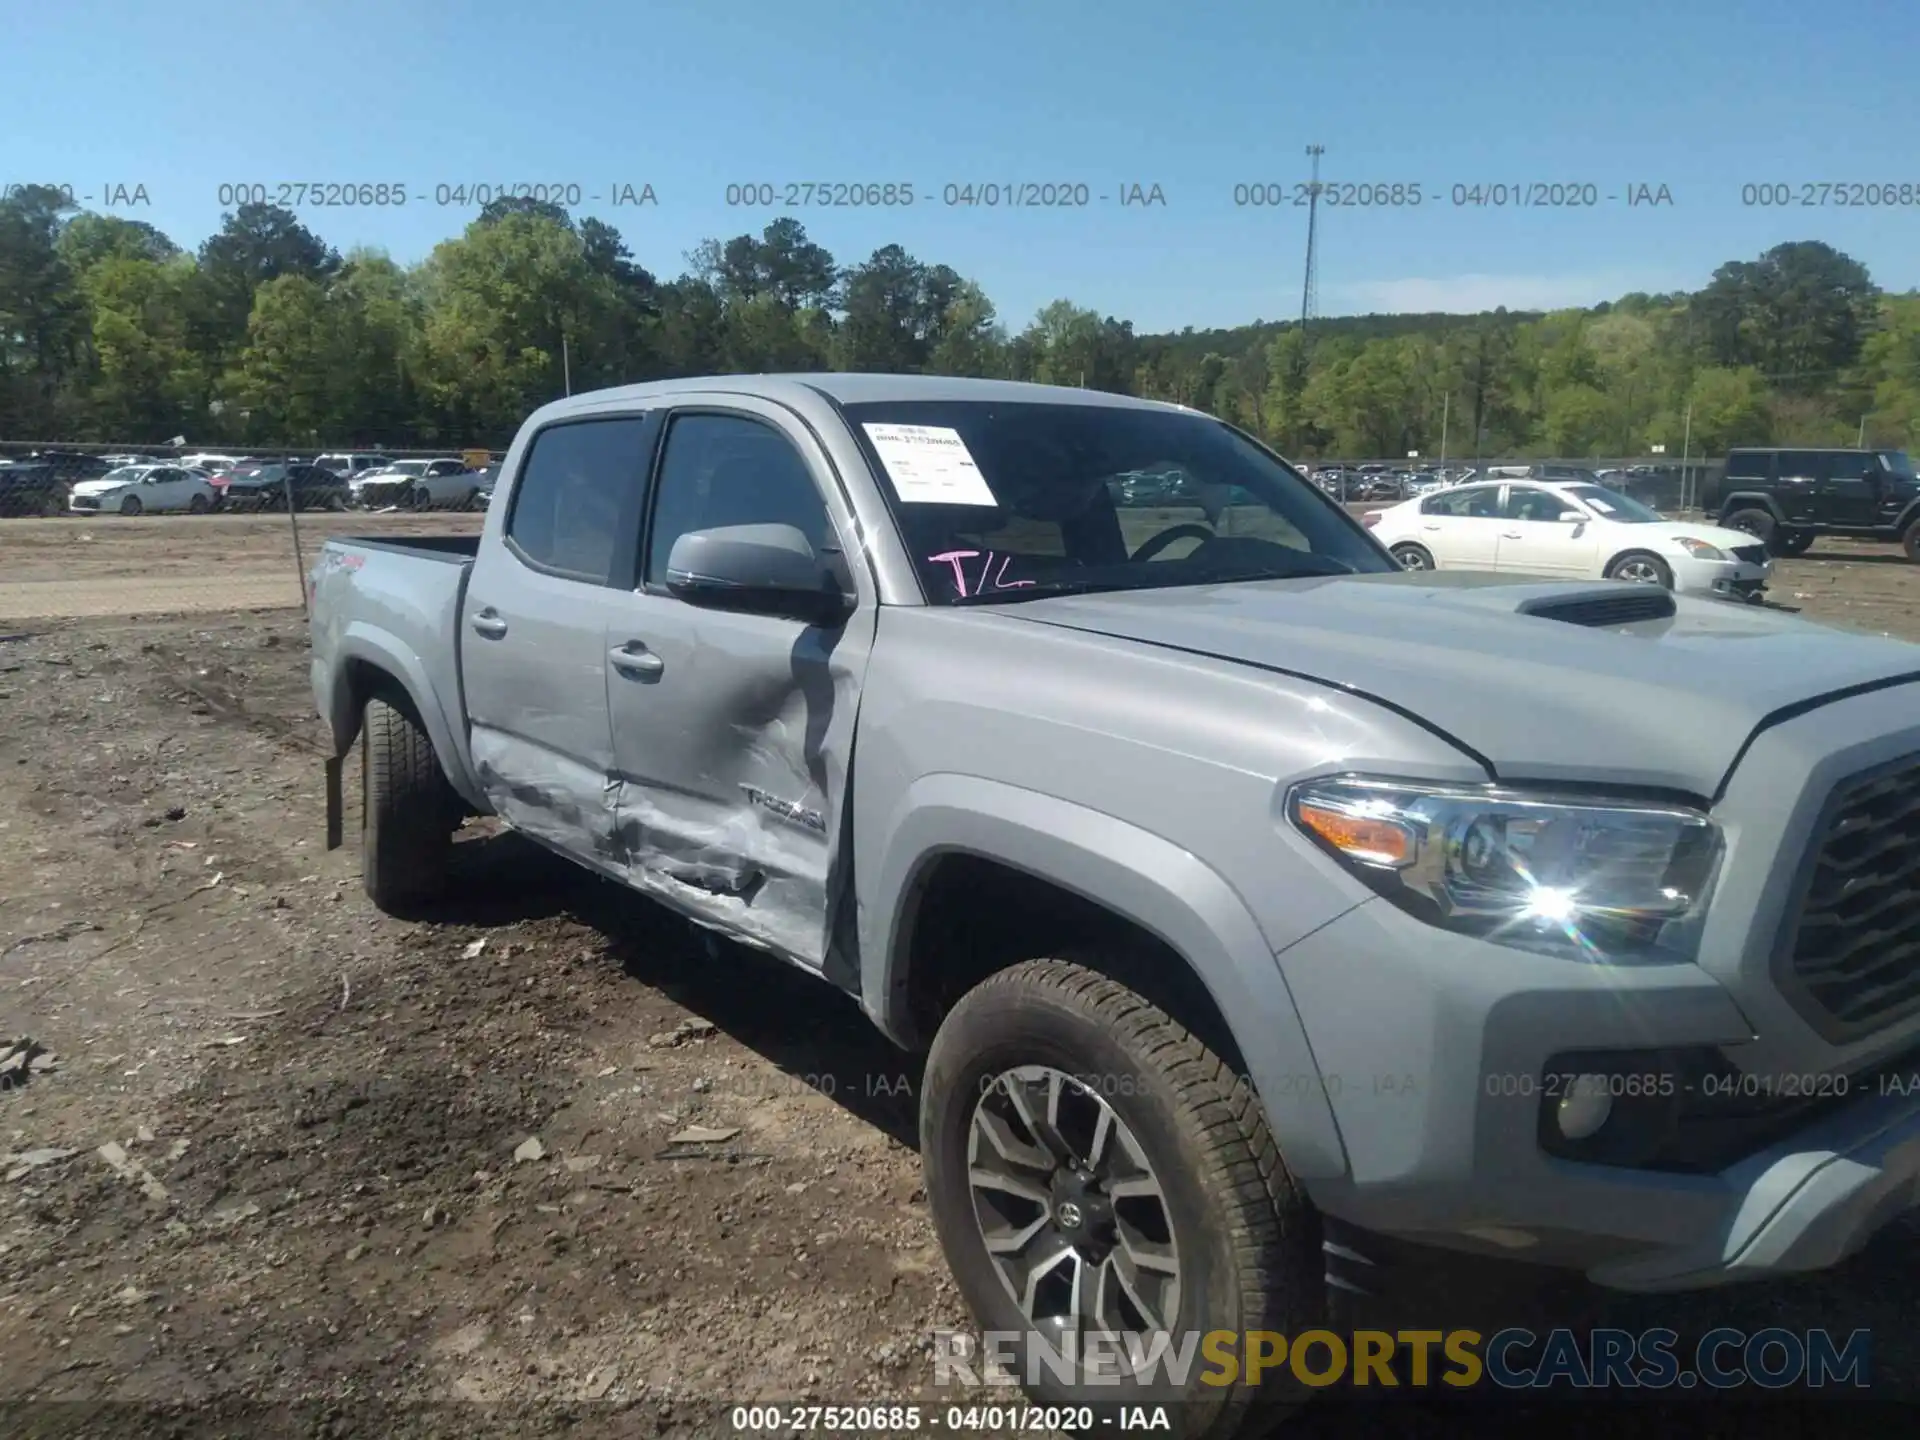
(1260, 904)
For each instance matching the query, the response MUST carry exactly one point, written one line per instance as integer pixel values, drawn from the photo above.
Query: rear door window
(579, 483)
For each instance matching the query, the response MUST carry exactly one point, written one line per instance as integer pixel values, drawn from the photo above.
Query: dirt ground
(323, 1194)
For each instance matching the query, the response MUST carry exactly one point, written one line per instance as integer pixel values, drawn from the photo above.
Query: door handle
(1430, 527)
(1511, 535)
(633, 658)
(489, 624)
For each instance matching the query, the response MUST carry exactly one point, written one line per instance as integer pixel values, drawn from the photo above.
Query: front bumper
(373, 497)
(1728, 579)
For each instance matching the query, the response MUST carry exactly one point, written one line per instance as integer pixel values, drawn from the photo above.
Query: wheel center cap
(1069, 1215)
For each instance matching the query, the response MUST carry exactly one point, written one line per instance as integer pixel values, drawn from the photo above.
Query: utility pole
(566, 363)
(1307, 296)
(1446, 408)
(1686, 459)
(1861, 442)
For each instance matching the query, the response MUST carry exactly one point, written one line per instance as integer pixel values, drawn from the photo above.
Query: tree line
(267, 336)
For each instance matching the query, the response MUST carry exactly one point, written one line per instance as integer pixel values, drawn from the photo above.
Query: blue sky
(1702, 96)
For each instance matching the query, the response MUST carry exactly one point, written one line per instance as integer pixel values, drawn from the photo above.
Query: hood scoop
(1603, 609)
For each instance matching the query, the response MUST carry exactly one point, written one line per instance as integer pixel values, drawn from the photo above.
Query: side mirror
(763, 569)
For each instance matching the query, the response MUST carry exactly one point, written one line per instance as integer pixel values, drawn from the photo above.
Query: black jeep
(1788, 498)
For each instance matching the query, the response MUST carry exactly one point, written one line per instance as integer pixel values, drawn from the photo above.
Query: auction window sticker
(930, 465)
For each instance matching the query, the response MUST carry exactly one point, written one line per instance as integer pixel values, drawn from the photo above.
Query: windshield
(125, 475)
(1897, 463)
(1612, 505)
(1008, 502)
(407, 467)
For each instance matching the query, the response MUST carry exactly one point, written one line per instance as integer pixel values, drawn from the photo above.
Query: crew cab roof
(858, 389)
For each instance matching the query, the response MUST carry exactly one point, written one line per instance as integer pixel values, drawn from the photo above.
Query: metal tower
(1308, 298)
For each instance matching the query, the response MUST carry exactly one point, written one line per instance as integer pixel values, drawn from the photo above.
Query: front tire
(1756, 522)
(1413, 557)
(419, 499)
(1073, 1131)
(407, 812)
(131, 505)
(1910, 542)
(1643, 568)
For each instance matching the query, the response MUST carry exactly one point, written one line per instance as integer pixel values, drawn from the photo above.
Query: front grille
(1856, 948)
(1634, 604)
(1751, 554)
(85, 502)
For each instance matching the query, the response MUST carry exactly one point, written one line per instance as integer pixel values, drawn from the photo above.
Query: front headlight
(1584, 878)
(1700, 549)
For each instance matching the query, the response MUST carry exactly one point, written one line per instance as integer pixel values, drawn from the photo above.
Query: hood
(1667, 702)
(100, 487)
(1713, 534)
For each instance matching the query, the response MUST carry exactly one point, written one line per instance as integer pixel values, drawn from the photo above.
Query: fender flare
(1165, 890)
(1908, 516)
(364, 645)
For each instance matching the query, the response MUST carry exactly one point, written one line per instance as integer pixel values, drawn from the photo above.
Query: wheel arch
(368, 663)
(980, 875)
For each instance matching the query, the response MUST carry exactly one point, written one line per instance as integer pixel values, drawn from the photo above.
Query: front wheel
(420, 499)
(131, 505)
(1756, 522)
(1413, 557)
(1642, 568)
(1910, 542)
(1105, 1188)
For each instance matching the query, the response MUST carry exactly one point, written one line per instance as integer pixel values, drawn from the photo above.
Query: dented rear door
(733, 732)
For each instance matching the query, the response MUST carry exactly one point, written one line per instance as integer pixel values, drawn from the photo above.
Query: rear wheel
(408, 810)
(1792, 542)
(1756, 522)
(473, 500)
(1413, 557)
(199, 505)
(1094, 1168)
(1910, 541)
(1642, 568)
(131, 505)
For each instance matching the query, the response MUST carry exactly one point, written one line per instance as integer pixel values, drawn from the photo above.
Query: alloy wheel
(1071, 1213)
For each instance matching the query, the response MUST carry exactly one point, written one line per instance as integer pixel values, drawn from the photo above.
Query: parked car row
(52, 482)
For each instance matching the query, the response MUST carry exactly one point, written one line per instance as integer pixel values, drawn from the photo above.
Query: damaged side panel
(733, 765)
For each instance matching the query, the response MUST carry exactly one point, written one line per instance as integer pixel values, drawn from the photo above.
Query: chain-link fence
(1654, 480)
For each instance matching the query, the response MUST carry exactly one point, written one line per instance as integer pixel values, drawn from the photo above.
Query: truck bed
(395, 606)
(450, 548)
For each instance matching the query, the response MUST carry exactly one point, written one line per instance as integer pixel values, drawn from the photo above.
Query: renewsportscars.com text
(1513, 1359)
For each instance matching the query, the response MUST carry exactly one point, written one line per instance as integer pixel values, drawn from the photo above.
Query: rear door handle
(633, 658)
(489, 624)
(1511, 535)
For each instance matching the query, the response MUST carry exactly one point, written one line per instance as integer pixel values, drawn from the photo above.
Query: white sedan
(136, 489)
(1572, 531)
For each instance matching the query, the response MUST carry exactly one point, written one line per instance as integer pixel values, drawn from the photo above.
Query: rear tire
(407, 812)
(1413, 557)
(1910, 542)
(1244, 1242)
(1756, 522)
(1643, 567)
(198, 505)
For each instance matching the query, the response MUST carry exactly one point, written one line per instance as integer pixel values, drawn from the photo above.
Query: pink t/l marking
(953, 558)
(999, 580)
